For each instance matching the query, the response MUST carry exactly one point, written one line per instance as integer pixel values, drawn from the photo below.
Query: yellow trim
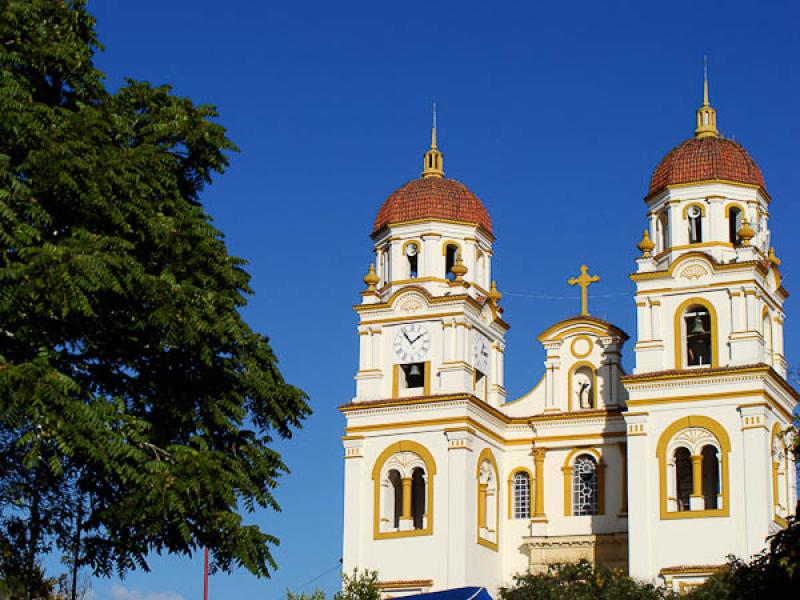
(487, 455)
(430, 467)
(702, 208)
(623, 449)
(567, 469)
(401, 319)
(431, 220)
(417, 243)
(575, 367)
(678, 340)
(405, 584)
(718, 431)
(447, 243)
(538, 505)
(731, 205)
(578, 354)
(511, 491)
(585, 323)
(426, 385)
(714, 264)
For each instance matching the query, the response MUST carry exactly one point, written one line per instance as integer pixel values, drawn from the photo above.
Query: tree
(138, 407)
(581, 581)
(359, 586)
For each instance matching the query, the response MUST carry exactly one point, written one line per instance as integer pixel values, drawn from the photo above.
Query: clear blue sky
(553, 113)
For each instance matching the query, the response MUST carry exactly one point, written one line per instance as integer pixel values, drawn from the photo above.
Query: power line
(338, 565)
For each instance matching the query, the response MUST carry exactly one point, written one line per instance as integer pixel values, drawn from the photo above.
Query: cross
(584, 280)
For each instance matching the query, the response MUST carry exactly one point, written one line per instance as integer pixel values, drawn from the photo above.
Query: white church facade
(662, 472)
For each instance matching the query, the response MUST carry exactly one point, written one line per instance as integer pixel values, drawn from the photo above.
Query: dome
(703, 159)
(433, 198)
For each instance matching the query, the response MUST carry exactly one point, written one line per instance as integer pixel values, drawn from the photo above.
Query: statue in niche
(584, 388)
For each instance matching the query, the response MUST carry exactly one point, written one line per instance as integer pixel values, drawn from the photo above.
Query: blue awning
(467, 593)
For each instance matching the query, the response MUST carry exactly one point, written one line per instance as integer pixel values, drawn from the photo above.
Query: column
(753, 466)
(356, 491)
(642, 496)
(623, 450)
(459, 534)
(538, 478)
(643, 320)
(406, 519)
(655, 318)
(482, 488)
(696, 499)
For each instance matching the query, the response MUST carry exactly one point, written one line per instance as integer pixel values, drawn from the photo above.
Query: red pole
(205, 577)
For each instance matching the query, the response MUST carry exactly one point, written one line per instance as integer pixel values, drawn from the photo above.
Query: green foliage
(774, 573)
(580, 581)
(361, 585)
(315, 595)
(137, 406)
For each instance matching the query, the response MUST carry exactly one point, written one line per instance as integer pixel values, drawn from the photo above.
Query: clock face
(480, 350)
(412, 342)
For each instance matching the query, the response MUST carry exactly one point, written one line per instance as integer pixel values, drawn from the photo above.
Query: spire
(706, 116)
(433, 161)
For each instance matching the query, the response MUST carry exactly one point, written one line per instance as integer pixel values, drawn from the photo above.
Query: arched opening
(710, 477)
(734, 224)
(450, 257)
(396, 495)
(683, 477)
(663, 231)
(418, 498)
(521, 494)
(583, 387)
(766, 329)
(412, 255)
(487, 500)
(697, 324)
(584, 486)
(695, 216)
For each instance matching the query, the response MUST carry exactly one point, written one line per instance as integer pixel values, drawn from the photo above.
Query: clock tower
(431, 357)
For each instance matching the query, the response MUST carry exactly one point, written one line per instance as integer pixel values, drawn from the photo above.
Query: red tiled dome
(433, 198)
(701, 159)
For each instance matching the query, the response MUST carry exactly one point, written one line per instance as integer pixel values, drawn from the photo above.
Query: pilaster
(755, 475)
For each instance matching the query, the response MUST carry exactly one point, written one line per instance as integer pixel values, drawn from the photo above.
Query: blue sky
(553, 113)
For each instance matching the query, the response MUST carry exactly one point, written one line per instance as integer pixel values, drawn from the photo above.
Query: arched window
(583, 388)
(692, 457)
(418, 498)
(395, 496)
(734, 224)
(780, 476)
(412, 255)
(695, 217)
(403, 478)
(710, 471)
(683, 477)
(662, 225)
(697, 323)
(584, 486)
(450, 257)
(766, 330)
(488, 505)
(521, 495)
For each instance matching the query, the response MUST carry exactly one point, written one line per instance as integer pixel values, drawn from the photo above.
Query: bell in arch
(697, 326)
(414, 371)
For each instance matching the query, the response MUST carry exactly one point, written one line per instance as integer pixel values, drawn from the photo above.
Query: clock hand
(416, 338)
(405, 335)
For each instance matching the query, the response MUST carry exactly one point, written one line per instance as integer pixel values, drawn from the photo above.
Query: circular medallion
(581, 346)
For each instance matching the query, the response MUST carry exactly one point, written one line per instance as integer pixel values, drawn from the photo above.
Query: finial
(459, 269)
(371, 278)
(584, 281)
(433, 161)
(746, 232)
(772, 258)
(706, 115)
(494, 295)
(646, 245)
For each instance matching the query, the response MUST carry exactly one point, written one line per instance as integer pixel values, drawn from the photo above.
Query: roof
(433, 198)
(466, 593)
(704, 159)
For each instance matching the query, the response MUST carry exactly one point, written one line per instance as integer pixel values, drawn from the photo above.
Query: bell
(697, 326)
(414, 371)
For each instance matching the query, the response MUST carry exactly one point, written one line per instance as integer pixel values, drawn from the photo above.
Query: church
(662, 472)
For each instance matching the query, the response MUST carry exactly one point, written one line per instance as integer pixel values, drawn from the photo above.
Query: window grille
(584, 486)
(522, 496)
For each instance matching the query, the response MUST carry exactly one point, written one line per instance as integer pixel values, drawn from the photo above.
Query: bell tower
(709, 384)
(430, 320)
